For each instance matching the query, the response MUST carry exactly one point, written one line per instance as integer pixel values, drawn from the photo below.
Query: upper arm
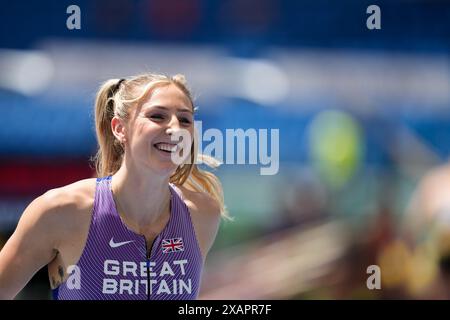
(33, 245)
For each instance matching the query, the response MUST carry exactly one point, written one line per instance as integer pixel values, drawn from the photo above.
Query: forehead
(169, 96)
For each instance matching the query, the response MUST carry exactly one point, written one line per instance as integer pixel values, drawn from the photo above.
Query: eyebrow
(165, 108)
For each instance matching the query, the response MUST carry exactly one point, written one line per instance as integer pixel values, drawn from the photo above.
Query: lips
(166, 147)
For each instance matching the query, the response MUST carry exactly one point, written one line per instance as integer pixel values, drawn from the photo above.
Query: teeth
(166, 147)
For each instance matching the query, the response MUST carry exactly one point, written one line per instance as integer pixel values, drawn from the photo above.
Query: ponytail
(109, 155)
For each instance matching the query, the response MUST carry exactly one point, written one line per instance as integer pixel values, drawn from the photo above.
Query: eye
(185, 120)
(157, 116)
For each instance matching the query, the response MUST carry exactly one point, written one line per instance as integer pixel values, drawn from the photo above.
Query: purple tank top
(114, 264)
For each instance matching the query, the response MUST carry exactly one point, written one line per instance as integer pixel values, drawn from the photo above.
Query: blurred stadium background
(363, 117)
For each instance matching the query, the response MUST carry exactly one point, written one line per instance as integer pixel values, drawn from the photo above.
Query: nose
(173, 125)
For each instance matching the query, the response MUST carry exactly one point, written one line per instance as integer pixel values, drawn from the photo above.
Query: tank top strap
(102, 197)
(177, 190)
(180, 210)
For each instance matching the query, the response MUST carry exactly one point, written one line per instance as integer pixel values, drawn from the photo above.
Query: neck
(141, 199)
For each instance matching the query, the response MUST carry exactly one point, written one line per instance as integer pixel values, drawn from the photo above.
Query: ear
(118, 129)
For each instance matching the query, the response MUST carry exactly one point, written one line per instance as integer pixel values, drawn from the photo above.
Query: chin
(164, 167)
(162, 164)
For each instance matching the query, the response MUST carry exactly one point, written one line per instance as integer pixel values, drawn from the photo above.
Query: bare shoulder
(201, 203)
(77, 195)
(59, 207)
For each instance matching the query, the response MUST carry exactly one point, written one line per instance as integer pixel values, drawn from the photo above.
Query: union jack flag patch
(172, 245)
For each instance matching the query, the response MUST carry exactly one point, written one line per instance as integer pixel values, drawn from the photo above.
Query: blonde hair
(115, 98)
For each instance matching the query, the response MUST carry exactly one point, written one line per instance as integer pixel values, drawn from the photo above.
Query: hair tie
(120, 81)
(115, 87)
(112, 92)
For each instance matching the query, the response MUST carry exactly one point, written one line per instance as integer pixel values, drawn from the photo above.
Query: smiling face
(164, 113)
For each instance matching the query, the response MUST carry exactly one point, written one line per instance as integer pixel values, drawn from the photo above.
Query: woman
(142, 230)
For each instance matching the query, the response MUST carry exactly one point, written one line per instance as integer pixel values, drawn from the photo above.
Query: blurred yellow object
(335, 146)
(395, 264)
(424, 269)
(401, 267)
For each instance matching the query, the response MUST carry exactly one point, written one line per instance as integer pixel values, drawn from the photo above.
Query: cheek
(146, 130)
(192, 133)
(192, 137)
